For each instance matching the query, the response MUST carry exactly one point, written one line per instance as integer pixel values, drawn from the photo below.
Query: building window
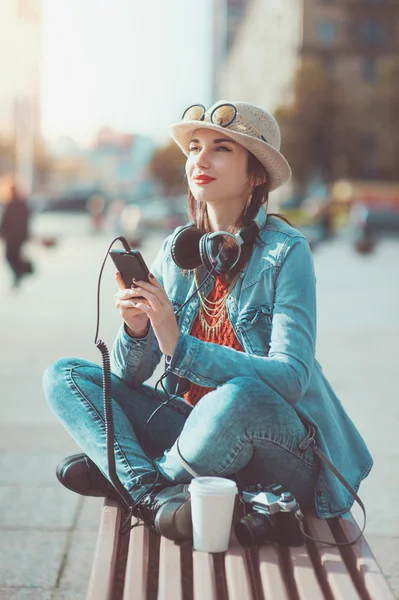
(369, 70)
(327, 31)
(372, 31)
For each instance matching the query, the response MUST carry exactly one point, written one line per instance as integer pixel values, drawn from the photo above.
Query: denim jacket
(272, 309)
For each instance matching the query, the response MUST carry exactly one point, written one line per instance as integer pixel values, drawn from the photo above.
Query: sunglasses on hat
(222, 115)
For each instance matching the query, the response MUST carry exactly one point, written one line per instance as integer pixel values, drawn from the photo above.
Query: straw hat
(240, 130)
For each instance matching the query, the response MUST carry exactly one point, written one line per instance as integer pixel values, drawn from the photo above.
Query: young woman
(243, 346)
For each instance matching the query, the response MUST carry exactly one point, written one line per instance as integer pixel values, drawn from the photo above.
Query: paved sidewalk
(48, 535)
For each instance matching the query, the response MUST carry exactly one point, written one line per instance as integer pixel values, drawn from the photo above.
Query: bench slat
(333, 568)
(204, 576)
(271, 575)
(137, 564)
(237, 571)
(363, 560)
(307, 584)
(169, 571)
(104, 563)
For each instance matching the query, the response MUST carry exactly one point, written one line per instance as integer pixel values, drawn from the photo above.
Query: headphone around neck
(218, 251)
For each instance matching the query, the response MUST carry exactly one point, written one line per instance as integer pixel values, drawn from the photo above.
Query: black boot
(164, 509)
(80, 474)
(167, 510)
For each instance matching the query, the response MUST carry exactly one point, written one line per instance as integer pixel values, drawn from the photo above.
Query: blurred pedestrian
(96, 207)
(114, 212)
(14, 229)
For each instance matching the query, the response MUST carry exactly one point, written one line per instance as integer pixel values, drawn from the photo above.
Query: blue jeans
(243, 430)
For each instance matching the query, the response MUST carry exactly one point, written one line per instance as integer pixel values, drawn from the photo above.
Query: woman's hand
(135, 319)
(159, 310)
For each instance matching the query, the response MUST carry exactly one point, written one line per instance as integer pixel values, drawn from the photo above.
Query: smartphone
(130, 265)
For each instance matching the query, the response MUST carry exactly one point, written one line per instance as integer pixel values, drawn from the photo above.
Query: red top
(225, 337)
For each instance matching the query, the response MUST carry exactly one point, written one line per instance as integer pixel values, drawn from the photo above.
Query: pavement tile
(31, 558)
(37, 438)
(24, 594)
(386, 553)
(70, 595)
(384, 522)
(22, 468)
(37, 508)
(79, 562)
(89, 517)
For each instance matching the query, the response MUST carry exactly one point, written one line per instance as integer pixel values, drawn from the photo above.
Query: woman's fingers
(152, 279)
(129, 304)
(149, 295)
(127, 293)
(141, 306)
(119, 281)
(154, 287)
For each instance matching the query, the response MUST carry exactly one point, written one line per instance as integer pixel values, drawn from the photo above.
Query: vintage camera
(275, 517)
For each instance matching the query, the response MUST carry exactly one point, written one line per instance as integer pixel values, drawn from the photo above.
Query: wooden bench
(140, 565)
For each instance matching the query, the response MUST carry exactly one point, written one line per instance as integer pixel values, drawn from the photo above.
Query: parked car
(374, 214)
(72, 199)
(371, 224)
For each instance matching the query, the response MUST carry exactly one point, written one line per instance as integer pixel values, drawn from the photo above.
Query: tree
(306, 122)
(342, 131)
(167, 167)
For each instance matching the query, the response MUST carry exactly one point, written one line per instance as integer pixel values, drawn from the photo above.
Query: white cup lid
(213, 486)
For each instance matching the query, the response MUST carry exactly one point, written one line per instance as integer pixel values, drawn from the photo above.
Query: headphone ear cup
(214, 254)
(185, 247)
(205, 252)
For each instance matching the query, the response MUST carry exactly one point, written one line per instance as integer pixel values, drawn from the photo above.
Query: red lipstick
(202, 179)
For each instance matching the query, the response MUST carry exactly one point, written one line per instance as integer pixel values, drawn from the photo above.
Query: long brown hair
(260, 195)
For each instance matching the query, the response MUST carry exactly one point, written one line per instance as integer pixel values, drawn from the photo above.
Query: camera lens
(253, 529)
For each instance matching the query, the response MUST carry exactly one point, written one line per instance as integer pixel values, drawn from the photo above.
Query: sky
(134, 65)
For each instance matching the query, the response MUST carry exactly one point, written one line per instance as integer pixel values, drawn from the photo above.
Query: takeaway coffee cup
(212, 507)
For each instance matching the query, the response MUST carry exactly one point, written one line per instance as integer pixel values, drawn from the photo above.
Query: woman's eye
(223, 148)
(193, 148)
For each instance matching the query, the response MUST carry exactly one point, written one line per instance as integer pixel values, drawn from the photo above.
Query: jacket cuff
(184, 355)
(131, 342)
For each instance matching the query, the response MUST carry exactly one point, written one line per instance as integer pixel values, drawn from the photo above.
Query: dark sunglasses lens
(193, 113)
(223, 115)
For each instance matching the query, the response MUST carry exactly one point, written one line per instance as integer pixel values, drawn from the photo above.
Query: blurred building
(227, 18)
(355, 41)
(351, 36)
(264, 54)
(123, 162)
(116, 163)
(235, 16)
(20, 58)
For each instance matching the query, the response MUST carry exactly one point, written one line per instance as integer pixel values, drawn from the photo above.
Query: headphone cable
(107, 400)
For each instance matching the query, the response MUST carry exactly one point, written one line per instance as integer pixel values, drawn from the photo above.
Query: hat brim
(273, 161)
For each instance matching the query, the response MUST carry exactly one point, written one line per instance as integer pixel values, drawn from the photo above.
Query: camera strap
(310, 441)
